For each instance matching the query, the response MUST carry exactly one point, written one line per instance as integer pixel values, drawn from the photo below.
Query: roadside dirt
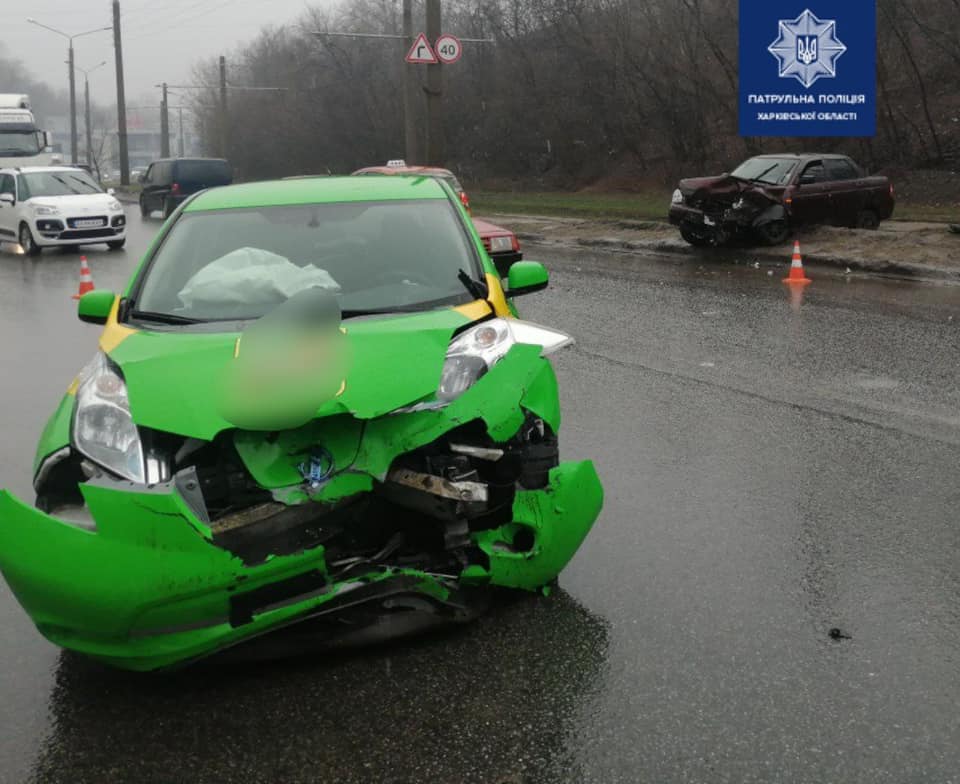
(913, 250)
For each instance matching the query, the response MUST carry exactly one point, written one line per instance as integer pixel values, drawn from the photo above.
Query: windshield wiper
(163, 318)
(475, 287)
(759, 177)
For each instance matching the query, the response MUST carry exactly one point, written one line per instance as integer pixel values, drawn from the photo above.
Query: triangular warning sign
(421, 52)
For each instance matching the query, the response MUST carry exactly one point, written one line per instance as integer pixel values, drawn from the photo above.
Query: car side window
(814, 173)
(148, 174)
(839, 169)
(7, 184)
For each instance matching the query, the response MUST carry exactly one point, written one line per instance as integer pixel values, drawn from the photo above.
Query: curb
(879, 267)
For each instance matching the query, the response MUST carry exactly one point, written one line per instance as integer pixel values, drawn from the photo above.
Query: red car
(501, 244)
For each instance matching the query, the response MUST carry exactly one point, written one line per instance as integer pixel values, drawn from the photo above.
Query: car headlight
(472, 353)
(115, 206)
(40, 209)
(677, 197)
(498, 244)
(103, 429)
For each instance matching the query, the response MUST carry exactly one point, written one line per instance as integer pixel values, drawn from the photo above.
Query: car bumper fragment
(149, 588)
(153, 584)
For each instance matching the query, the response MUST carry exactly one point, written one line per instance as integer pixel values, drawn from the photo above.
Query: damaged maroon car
(767, 198)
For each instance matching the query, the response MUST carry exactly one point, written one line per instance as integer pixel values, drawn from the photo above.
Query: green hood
(176, 380)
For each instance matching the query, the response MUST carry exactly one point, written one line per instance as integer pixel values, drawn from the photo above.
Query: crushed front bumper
(149, 588)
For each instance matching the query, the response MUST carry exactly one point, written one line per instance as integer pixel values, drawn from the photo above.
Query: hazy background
(162, 39)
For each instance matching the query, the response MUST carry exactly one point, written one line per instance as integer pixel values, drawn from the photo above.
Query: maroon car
(770, 196)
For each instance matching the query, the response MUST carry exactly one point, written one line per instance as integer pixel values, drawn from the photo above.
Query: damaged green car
(315, 419)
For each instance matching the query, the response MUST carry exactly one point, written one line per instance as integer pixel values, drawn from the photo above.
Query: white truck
(21, 142)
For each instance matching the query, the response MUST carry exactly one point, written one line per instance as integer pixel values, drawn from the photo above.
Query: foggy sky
(162, 39)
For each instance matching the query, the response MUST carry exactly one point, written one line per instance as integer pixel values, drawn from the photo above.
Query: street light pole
(73, 87)
(86, 99)
(73, 108)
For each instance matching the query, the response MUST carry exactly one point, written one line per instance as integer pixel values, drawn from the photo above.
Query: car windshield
(19, 143)
(58, 183)
(239, 264)
(772, 171)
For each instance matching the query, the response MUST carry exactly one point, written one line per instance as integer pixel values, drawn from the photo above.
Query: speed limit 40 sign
(448, 48)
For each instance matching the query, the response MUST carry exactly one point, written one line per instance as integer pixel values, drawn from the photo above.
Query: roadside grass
(651, 205)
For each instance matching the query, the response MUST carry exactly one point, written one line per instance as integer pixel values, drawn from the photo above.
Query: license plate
(88, 223)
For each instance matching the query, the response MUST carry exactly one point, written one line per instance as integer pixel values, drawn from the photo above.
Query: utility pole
(224, 120)
(409, 88)
(436, 152)
(164, 125)
(121, 99)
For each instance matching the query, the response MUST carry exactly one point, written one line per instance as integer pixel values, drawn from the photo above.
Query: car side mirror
(111, 191)
(8, 198)
(95, 306)
(807, 179)
(526, 277)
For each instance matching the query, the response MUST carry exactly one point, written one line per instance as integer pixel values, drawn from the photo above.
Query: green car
(314, 420)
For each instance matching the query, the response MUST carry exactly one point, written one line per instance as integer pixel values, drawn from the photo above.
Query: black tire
(117, 244)
(697, 240)
(27, 243)
(774, 233)
(144, 211)
(168, 208)
(868, 219)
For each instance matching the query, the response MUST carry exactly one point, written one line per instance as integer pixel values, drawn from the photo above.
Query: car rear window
(206, 174)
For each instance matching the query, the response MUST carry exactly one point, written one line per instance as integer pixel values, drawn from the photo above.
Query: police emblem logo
(807, 48)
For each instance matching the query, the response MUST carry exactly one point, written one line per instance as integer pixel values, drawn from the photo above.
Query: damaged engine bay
(718, 210)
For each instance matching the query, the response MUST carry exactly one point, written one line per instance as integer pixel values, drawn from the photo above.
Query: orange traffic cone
(86, 279)
(796, 268)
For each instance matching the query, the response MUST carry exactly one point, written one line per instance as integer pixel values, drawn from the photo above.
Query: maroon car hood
(727, 188)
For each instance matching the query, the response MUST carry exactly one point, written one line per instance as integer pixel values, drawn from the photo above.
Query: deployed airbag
(252, 276)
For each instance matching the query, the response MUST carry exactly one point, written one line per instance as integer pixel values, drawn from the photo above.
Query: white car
(47, 206)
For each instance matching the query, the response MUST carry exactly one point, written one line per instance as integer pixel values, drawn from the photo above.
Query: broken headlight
(103, 429)
(474, 352)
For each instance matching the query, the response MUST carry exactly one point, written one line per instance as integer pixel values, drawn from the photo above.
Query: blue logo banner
(808, 67)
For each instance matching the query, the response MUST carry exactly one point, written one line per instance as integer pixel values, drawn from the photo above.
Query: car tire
(27, 243)
(117, 244)
(868, 219)
(144, 210)
(774, 233)
(168, 208)
(697, 240)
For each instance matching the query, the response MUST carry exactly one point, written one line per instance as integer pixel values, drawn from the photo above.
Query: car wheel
(117, 244)
(168, 208)
(868, 219)
(774, 232)
(695, 239)
(26, 241)
(144, 210)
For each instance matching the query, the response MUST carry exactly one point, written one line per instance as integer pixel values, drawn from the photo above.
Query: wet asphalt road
(772, 471)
